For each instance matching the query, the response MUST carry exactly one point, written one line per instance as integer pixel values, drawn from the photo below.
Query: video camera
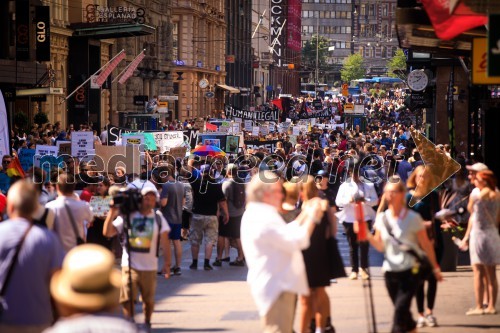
(128, 200)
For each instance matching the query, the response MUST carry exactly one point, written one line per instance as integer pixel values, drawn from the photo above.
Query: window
(384, 9)
(321, 14)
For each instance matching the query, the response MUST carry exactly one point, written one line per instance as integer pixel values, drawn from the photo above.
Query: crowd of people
(280, 210)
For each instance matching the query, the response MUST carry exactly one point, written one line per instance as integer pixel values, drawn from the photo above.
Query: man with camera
(133, 214)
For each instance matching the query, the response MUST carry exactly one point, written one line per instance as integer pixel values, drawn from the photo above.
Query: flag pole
(90, 77)
(123, 71)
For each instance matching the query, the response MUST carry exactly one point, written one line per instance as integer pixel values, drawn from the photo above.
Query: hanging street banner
(325, 113)
(267, 115)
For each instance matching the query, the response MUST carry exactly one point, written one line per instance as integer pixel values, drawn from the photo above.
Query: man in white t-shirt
(72, 215)
(148, 228)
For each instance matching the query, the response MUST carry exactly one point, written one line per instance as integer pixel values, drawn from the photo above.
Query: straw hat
(87, 280)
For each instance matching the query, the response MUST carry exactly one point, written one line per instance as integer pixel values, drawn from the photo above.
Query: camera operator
(147, 228)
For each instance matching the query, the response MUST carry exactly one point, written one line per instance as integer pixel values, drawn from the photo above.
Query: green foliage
(353, 68)
(398, 62)
(41, 118)
(309, 52)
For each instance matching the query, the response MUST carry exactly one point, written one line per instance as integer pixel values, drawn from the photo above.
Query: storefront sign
(480, 63)
(22, 30)
(117, 14)
(42, 27)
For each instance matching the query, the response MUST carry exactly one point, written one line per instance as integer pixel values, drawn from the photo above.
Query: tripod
(128, 231)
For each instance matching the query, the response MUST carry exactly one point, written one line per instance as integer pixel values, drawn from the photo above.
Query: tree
(309, 53)
(398, 62)
(353, 68)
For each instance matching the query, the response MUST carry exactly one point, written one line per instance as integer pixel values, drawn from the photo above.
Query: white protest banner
(248, 125)
(100, 205)
(107, 158)
(236, 128)
(166, 140)
(295, 130)
(64, 147)
(81, 141)
(272, 128)
(237, 120)
(43, 150)
(255, 130)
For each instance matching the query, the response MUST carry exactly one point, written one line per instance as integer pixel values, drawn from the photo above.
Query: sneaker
(364, 274)
(431, 320)
(227, 259)
(421, 322)
(217, 263)
(207, 267)
(353, 276)
(193, 266)
(239, 263)
(176, 270)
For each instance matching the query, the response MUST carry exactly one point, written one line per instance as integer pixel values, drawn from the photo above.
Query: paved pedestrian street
(220, 301)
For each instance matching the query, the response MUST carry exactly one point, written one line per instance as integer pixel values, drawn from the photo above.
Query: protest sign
(255, 130)
(232, 144)
(4, 183)
(236, 128)
(266, 115)
(178, 152)
(166, 140)
(43, 150)
(64, 147)
(295, 130)
(100, 205)
(132, 139)
(81, 141)
(26, 158)
(248, 125)
(190, 138)
(270, 145)
(109, 157)
(264, 130)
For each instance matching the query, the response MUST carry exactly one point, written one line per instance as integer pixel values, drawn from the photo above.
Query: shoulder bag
(79, 240)
(423, 268)
(10, 270)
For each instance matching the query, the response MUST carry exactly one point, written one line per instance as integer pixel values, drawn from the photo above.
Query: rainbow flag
(14, 168)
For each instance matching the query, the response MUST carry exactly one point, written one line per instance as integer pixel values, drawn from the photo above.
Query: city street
(220, 301)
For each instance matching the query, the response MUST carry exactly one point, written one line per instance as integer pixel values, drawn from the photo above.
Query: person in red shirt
(90, 186)
(343, 142)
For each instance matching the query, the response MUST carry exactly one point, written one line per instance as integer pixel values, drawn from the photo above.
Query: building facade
(260, 47)
(351, 26)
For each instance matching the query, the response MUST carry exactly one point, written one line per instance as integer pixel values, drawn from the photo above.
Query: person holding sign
(99, 203)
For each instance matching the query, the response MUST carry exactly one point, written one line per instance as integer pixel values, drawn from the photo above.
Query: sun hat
(477, 167)
(88, 279)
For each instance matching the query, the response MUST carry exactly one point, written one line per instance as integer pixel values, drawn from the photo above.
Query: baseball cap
(477, 167)
(401, 147)
(149, 189)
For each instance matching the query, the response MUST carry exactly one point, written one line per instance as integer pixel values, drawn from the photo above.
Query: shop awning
(232, 90)
(105, 31)
(39, 91)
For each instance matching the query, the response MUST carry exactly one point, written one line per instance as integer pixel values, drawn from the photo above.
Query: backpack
(238, 194)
